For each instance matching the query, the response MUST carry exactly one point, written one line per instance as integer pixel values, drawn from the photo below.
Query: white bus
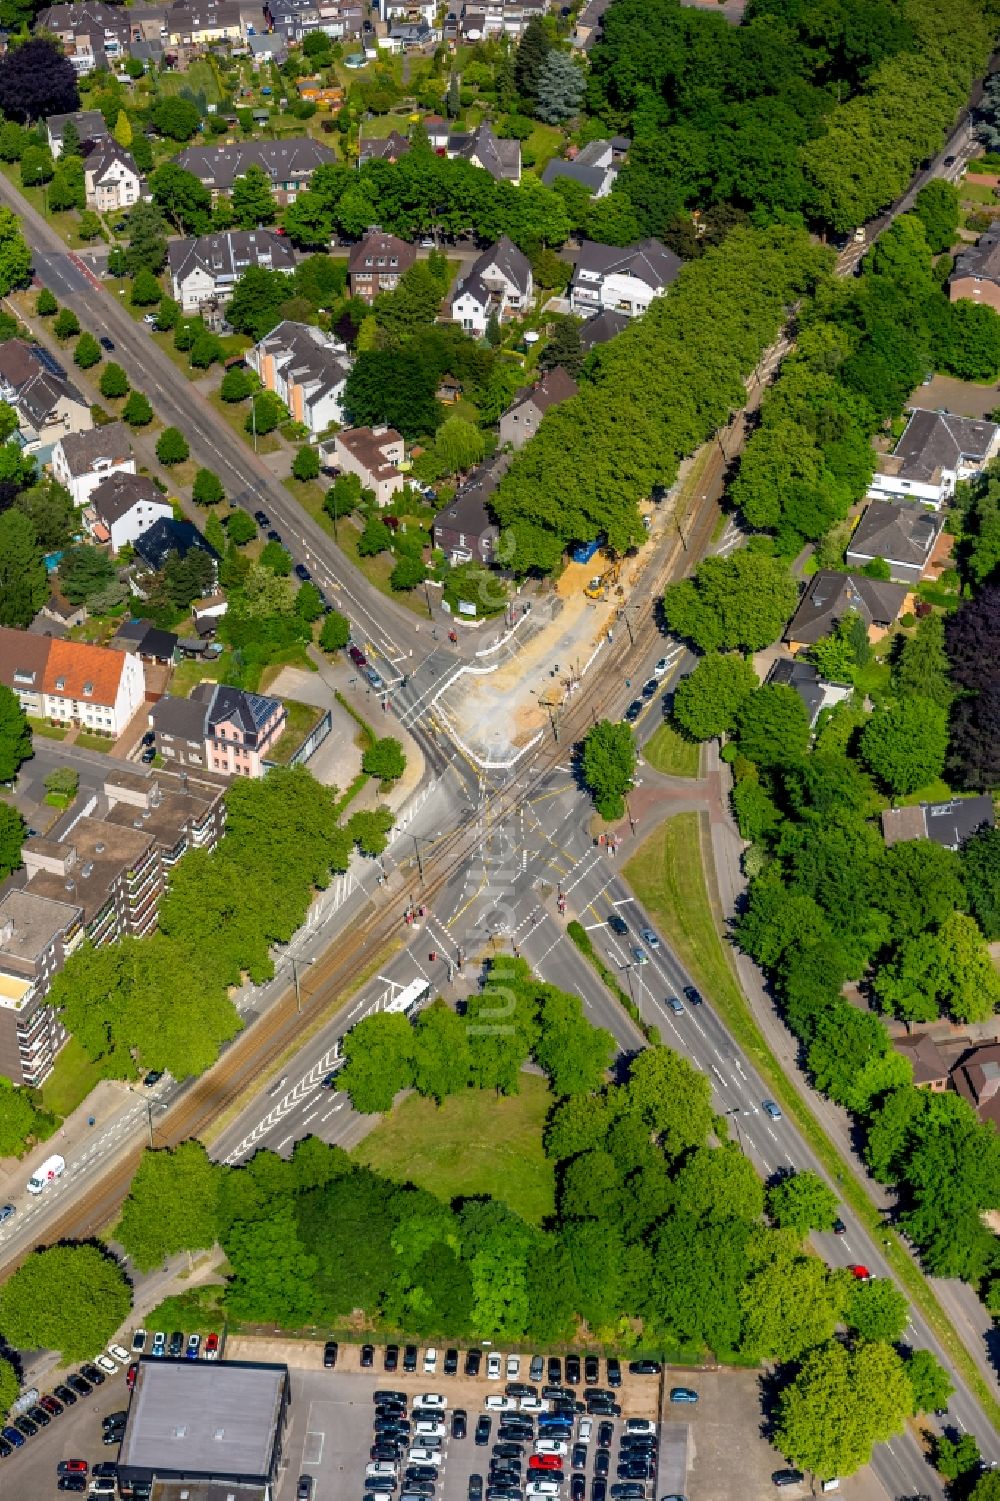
(408, 999)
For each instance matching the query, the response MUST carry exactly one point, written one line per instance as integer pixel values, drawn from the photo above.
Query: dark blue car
(15, 1439)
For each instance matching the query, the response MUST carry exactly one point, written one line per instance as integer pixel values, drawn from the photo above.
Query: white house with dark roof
(499, 282)
(47, 403)
(122, 507)
(625, 280)
(207, 268)
(594, 168)
(483, 148)
(937, 450)
(81, 461)
(90, 127)
(111, 178)
(307, 368)
(908, 537)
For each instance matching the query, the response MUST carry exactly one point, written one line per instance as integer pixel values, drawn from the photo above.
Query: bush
(407, 574)
(87, 352)
(306, 465)
(45, 304)
(266, 413)
(237, 384)
(67, 324)
(145, 289)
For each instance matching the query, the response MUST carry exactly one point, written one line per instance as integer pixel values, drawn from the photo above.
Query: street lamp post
(628, 810)
(295, 961)
(734, 1115)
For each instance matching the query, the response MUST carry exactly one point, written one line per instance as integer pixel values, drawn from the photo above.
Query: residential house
(937, 450)
(58, 611)
(111, 179)
(48, 405)
(377, 263)
(409, 36)
(388, 148)
(483, 148)
(976, 272)
(295, 19)
(498, 18)
(82, 461)
(499, 284)
(71, 682)
(930, 1066)
(466, 529)
(949, 823)
(438, 131)
(206, 269)
(226, 729)
(289, 164)
(90, 127)
(94, 35)
(307, 368)
(154, 546)
(154, 647)
(520, 422)
(909, 538)
(625, 280)
(373, 454)
(814, 691)
(207, 612)
(203, 22)
(408, 10)
(268, 47)
(37, 934)
(830, 596)
(594, 168)
(600, 329)
(122, 507)
(588, 24)
(977, 1079)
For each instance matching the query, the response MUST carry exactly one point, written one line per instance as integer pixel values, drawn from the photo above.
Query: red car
(210, 1349)
(71, 1467)
(861, 1272)
(131, 1374)
(545, 1462)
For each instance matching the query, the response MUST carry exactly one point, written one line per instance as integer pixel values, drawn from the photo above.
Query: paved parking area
(76, 1434)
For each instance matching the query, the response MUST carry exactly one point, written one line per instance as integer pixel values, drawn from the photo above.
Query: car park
(770, 1108)
(677, 1394)
(92, 1374)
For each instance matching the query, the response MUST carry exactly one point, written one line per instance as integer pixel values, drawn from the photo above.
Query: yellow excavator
(601, 587)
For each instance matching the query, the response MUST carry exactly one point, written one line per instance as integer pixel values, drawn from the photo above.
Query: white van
(51, 1169)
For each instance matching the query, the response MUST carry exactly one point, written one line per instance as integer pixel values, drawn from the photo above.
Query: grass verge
(579, 935)
(669, 751)
(667, 874)
(72, 1078)
(46, 730)
(472, 1144)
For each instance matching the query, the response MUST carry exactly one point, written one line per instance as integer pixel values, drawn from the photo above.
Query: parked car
(330, 1354)
(76, 1483)
(614, 1371)
(79, 1385)
(459, 1423)
(7, 1212)
(92, 1374)
(367, 1357)
(473, 1361)
(450, 1362)
(193, 1347)
(211, 1350)
(494, 1366)
(642, 1368)
(159, 1343)
(781, 1478)
(176, 1344)
(390, 1360)
(484, 1426)
(72, 1467)
(677, 1394)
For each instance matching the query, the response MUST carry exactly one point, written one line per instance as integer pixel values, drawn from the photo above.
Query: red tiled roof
(75, 664)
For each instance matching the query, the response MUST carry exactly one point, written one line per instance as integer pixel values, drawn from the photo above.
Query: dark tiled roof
(469, 511)
(804, 678)
(981, 259)
(380, 246)
(115, 496)
(311, 358)
(938, 440)
(106, 156)
(830, 596)
(977, 1080)
(591, 178)
(183, 717)
(83, 450)
(251, 711)
(555, 386)
(649, 261)
(602, 328)
(900, 533)
(283, 161)
(229, 254)
(950, 823)
(500, 158)
(90, 124)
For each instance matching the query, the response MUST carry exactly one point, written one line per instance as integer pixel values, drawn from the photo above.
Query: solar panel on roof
(49, 362)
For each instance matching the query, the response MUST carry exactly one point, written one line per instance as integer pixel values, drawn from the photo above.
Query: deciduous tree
(608, 765)
(172, 1205)
(70, 1298)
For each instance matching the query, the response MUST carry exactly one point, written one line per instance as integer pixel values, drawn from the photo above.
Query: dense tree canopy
(37, 79)
(70, 1298)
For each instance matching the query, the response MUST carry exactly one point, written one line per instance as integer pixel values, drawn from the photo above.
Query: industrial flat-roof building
(205, 1428)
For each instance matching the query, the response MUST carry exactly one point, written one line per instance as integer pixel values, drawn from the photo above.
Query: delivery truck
(51, 1169)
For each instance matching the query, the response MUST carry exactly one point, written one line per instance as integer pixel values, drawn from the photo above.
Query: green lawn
(669, 751)
(667, 875)
(377, 569)
(188, 674)
(72, 1078)
(472, 1144)
(199, 76)
(544, 142)
(48, 731)
(236, 413)
(94, 742)
(199, 1311)
(977, 192)
(302, 718)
